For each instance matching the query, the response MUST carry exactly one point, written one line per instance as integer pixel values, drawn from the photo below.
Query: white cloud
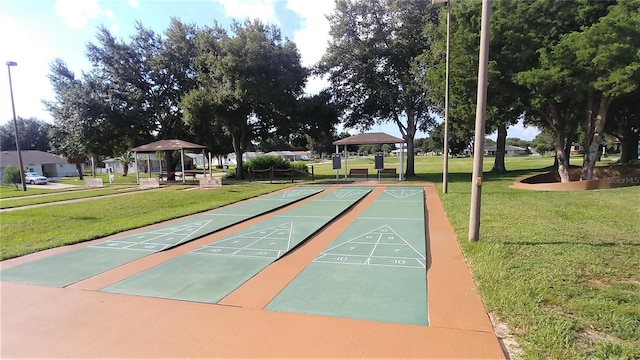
(134, 3)
(252, 9)
(115, 28)
(29, 81)
(313, 37)
(519, 131)
(76, 12)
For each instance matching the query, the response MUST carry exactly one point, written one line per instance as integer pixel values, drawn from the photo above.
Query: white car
(35, 178)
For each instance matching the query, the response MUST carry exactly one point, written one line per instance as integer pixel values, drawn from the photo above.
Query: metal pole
(184, 181)
(400, 177)
(135, 162)
(15, 126)
(481, 106)
(445, 166)
(346, 155)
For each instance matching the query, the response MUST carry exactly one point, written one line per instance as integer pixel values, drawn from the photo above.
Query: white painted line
(376, 256)
(304, 216)
(348, 263)
(387, 218)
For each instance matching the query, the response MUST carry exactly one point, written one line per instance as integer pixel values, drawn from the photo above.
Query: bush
(300, 167)
(11, 175)
(267, 161)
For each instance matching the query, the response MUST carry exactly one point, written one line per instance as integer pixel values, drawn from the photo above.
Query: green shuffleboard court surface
(68, 268)
(374, 270)
(210, 273)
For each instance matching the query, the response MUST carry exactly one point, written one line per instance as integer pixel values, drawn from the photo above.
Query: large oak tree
(372, 65)
(249, 78)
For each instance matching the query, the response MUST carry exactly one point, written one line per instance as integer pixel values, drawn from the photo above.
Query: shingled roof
(369, 138)
(30, 157)
(172, 144)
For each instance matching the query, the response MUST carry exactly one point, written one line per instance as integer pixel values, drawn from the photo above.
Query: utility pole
(481, 107)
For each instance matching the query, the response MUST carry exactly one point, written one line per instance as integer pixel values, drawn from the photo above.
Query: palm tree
(125, 158)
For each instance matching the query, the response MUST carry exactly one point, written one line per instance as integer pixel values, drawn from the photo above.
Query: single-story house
(302, 155)
(248, 155)
(509, 150)
(47, 164)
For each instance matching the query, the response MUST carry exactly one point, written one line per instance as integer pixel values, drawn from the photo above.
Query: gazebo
(163, 145)
(370, 139)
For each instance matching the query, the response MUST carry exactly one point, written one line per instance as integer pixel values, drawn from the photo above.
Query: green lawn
(562, 269)
(61, 195)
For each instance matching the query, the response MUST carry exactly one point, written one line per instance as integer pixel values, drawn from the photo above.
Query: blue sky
(34, 32)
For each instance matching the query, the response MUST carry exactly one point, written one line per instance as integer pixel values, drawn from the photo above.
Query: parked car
(35, 178)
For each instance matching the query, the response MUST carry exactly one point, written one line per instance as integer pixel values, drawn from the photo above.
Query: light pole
(481, 107)
(445, 165)
(15, 126)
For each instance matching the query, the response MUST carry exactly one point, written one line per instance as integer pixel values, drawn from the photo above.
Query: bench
(356, 171)
(148, 183)
(211, 182)
(390, 171)
(93, 182)
(166, 175)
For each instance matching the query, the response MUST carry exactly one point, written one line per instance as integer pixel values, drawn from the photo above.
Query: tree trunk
(559, 142)
(408, 134)
(410, 156)
(629, 141)
(501, 142)
(171, 165)
(238, 148)
(79, 169)
(593, 138)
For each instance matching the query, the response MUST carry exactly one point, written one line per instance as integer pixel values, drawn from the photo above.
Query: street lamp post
(481, 107)
(445, 165)
(15, 125)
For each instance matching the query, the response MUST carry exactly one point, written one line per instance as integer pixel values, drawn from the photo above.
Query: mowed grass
(49, 197)
(24, 231)
(562, 269)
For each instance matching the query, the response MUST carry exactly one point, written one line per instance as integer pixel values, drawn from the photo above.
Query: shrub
(300, 167)
(11, 175)
(267, 161)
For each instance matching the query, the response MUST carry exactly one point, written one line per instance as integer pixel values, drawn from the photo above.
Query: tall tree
(199, 115)
(316, 120)
(587, 56)
(372, 64)
(33, 134)
(507, 56)
(252, 78)
(146, 78)
(552, 105)
(76, 114)
(607, 66)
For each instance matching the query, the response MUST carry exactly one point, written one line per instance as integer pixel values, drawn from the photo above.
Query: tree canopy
(372, 65)
(248, 82)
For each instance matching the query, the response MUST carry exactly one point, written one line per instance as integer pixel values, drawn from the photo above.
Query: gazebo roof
(369, 138)
(172, 144)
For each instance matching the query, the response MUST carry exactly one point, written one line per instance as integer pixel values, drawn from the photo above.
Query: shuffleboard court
(374, 270)
(210, 273)
(68, 268)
